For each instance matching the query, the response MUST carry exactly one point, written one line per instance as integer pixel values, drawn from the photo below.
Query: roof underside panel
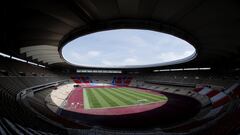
(43, 53)
(213, 24)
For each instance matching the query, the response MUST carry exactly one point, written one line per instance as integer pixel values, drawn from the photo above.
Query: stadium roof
(211, 26)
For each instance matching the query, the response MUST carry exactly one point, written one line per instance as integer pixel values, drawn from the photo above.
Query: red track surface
(75, 104)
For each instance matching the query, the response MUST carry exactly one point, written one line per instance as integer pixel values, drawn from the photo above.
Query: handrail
(30, 90)
(35, 88)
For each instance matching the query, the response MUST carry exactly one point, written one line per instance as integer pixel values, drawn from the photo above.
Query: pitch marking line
(85, 100)
(122, 106)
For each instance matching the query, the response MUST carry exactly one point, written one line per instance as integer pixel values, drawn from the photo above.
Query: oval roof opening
(127, 48)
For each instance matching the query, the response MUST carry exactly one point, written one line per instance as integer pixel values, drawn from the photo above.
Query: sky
(125, 47)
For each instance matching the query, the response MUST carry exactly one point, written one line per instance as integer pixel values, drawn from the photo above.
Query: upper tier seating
(14, 84)
(11, 109)
(121, 81)
(81, 80)
(17, 68)
(193, 77)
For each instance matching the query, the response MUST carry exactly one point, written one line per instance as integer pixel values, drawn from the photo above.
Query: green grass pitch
(118, 97)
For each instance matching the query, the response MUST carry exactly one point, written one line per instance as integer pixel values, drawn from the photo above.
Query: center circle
(127, 48)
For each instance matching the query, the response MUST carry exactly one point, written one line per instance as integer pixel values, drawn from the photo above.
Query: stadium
(120, 67)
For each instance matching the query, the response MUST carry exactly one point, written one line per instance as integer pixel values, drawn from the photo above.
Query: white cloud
(93, 53)
(168, 56)
(136, 41)
(76, 55)
(171, 56)
(132, 51)
(188, 53)
(130, 61)
(107, 63)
